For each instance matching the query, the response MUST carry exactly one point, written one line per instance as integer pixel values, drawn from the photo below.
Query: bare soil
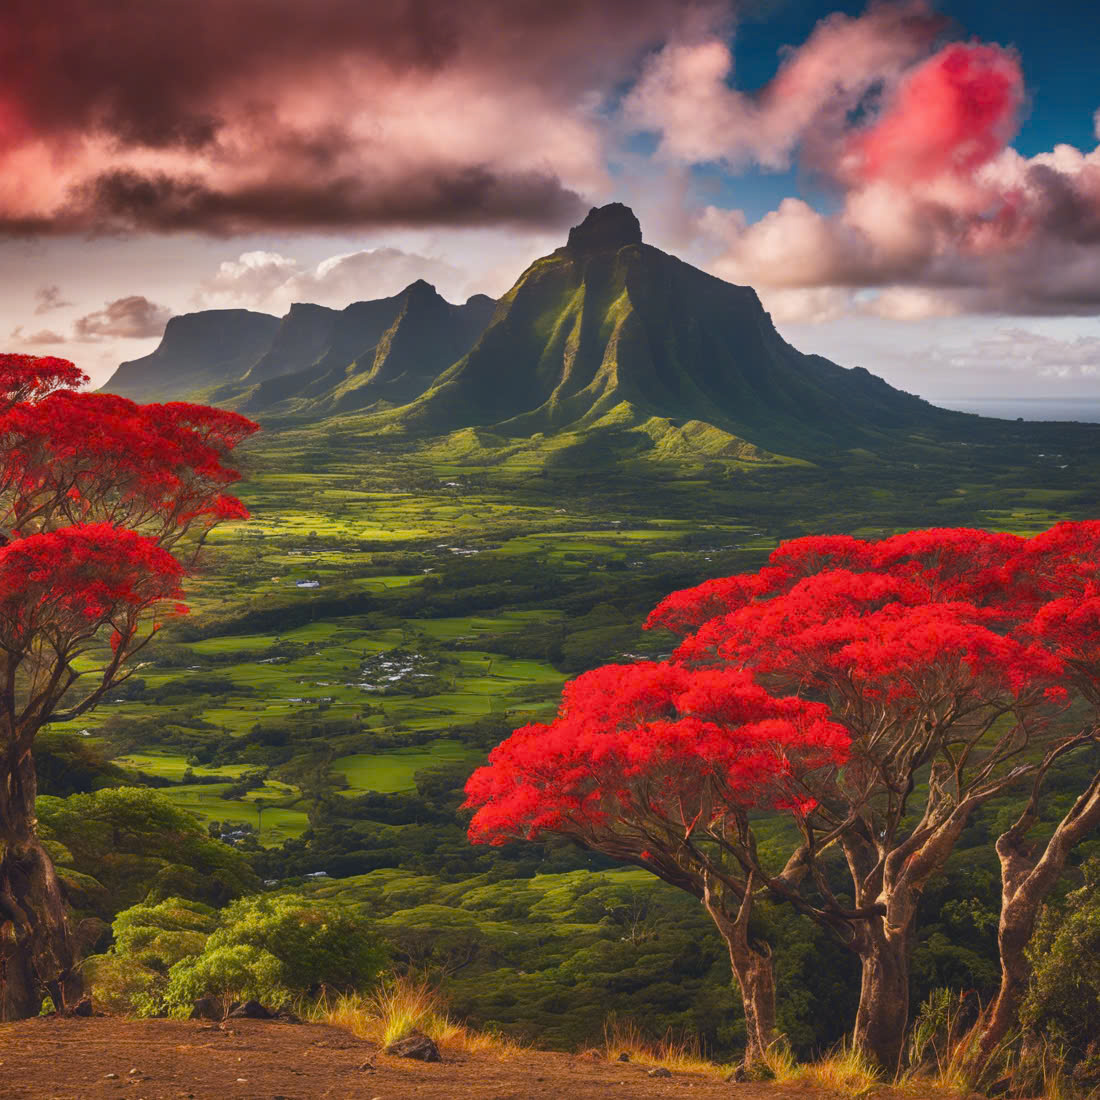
(104, 1057)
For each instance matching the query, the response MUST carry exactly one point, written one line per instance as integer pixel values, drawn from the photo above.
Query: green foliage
(271, 948)
(141, 848)
(233, 972)
(159, 936)
(1063, 1002)
(69, 763)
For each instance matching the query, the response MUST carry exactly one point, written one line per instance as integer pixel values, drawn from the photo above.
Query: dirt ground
(103, 1057)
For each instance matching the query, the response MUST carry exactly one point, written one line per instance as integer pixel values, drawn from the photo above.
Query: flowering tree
(1065, 568)
(938, 655)
(103, 505)
(660, 765)
(926, 648)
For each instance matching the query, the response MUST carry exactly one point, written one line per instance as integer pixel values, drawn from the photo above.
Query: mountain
(386, 351)
(610, 332)
(315, 360)
(198, 350)
(605, 343)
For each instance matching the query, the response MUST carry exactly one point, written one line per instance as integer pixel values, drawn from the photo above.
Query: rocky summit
(606, 227)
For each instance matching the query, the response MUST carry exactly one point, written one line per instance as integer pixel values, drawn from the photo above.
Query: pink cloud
(684, 96)
(935, 208)
(949, 116)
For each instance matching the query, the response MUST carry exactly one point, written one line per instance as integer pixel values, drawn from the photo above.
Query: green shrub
(1063, 1001)
(272, 949)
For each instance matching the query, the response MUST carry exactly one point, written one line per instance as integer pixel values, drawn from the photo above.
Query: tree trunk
(1028, 874)
(753, 968)
(884, 994)
(37, 952)
(756, 976)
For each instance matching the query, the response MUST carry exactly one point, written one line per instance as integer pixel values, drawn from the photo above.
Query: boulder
(250, 1010)
(415, 1045)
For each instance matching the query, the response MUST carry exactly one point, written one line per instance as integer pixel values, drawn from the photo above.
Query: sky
(912, 186)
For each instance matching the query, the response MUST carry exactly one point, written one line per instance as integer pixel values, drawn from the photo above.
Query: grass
(392, 771)
(402, 1005)
(845, 1071)
(676, 1053)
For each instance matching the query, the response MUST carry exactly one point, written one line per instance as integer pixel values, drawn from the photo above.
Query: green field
(389, 610)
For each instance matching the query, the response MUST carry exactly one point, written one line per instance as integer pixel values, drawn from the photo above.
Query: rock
(110, 1076)
(606, 227)
(415, 1045)
(624, 1057)
(250, 1010)
(206, 1008)
(660, 1071)
(83, 1007)
(366, 1066)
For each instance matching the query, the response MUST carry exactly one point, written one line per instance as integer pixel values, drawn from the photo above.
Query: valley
(431, 555)
(358, 647)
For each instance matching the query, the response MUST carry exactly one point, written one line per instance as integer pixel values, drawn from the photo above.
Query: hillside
(608, 332)
(389, 350)
(314, 359)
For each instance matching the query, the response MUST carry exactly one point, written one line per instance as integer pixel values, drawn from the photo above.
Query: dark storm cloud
(224, 115)
(126, 200)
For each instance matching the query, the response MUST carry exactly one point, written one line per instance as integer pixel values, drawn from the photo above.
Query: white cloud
(270, 281)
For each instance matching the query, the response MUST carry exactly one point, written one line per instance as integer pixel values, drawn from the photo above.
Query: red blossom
(786, 678)
(97, 497)
(32, 377)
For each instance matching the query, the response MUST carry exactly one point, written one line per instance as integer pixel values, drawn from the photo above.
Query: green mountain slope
(385, 352)
(610, 330)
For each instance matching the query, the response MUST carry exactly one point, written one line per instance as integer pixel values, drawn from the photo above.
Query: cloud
(49, 298)
(134, 317)
(684, 95)
(1036, 354)
(934, 206)
(233, 116)
(43, 336)
(271, 281)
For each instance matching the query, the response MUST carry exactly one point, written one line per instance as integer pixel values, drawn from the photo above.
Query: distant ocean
(1030, 408)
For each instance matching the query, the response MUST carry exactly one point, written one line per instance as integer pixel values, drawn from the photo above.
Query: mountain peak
(422, 289)
(606, 227)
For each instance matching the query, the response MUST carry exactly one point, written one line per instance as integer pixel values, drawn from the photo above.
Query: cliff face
(198, 350)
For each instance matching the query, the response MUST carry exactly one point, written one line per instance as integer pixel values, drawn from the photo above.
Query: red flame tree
(942, 658)
(103, 505)
(660, 765)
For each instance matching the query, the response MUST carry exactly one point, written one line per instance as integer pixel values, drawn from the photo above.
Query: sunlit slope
(372, 354)
(608, 330)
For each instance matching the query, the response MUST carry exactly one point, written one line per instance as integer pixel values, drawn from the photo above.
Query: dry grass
(401, 1005)
(845, 1071)
(675, 1053)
